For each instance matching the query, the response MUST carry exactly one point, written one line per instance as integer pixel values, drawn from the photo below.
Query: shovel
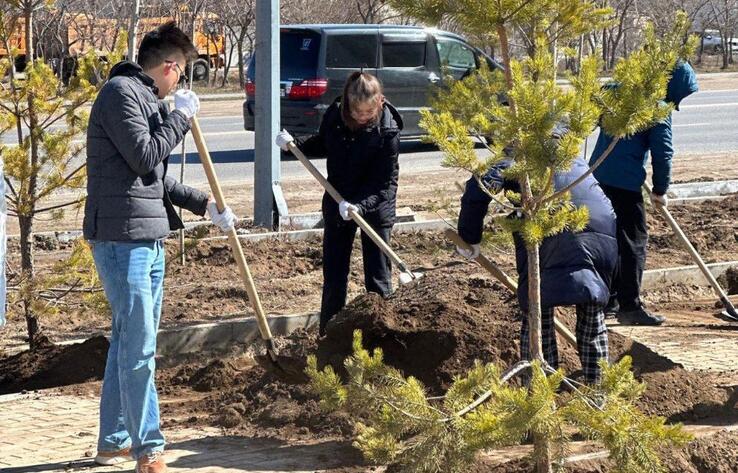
(562, 329)
(283, 364)
(406, 275)
(729, 311)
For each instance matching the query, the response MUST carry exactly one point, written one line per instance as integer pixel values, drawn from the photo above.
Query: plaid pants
(591, 339)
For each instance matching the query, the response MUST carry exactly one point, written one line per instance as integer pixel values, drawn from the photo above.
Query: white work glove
(225, 220)
(661, 200)
(283, 140)
(344, 207)
(186, 101)
(469, 254)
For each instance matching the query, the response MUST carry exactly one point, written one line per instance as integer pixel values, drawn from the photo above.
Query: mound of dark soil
(433, 329)
(52, 365)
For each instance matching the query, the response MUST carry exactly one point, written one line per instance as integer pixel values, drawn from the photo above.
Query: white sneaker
(113, 458)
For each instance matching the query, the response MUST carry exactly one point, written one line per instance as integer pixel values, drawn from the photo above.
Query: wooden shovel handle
(693, 252)
(365, 227)
(501, 276)
(243, 267)
(482, 260)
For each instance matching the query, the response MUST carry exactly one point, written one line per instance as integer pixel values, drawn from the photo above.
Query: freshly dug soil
(433, 330)
(729, 280)
(672, 391)
(711, 226)
(289, 279)
(51, 365)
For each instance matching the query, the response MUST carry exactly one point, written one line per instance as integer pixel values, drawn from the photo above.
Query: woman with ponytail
(360, 138)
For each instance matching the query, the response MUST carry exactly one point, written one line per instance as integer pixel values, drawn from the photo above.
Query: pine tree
(397, 423)
(517, 109)
(46, 159)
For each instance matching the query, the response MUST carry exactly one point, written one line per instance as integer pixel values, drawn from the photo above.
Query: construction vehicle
(17, 43)
(101, 34)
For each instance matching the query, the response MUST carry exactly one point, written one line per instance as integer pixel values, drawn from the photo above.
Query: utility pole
(269, 201)
(132, 30)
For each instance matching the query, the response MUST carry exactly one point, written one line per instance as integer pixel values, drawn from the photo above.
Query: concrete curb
(214, 337)
(703, 189)
(689, 275)
(696, 200)
(295, 235)
(220, 336)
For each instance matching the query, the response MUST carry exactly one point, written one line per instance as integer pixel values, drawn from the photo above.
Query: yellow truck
(16, 42)
(101, 34)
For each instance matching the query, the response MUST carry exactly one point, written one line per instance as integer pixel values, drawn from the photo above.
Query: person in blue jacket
(621, 176)
(576, 268)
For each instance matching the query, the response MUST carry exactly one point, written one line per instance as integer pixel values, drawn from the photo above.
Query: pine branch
(59, 206)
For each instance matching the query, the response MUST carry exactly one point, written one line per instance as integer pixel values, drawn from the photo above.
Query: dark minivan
(316, 59)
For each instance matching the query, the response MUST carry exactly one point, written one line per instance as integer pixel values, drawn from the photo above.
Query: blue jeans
(132, 274)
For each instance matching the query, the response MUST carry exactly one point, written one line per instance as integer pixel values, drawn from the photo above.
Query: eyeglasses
(179, 68)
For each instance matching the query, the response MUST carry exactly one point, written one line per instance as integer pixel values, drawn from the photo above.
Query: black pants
(338, 241)
(632, 238)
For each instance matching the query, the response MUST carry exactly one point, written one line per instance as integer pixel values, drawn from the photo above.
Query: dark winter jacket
(625, 167)
(576, 268)
(129, 138)
(362, 165)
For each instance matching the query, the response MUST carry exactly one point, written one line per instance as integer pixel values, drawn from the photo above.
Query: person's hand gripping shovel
(286, 142)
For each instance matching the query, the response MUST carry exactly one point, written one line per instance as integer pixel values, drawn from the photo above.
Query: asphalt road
(706, 124)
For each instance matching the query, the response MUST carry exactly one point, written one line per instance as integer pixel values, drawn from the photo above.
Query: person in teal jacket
(621, 177)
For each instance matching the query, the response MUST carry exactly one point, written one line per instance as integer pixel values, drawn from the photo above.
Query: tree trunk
(29, 36)
(27, 276)
(605, 52)
(541, 443)
(228, 63)
(241, 78)
(133, 30)
(534, 266)
(27, 197)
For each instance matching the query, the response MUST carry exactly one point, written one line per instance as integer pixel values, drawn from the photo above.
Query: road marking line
(680, 125)
(706, 105)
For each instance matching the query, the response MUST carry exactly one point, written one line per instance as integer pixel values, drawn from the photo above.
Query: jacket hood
(131, 69)
(682, 84)
(391, 118)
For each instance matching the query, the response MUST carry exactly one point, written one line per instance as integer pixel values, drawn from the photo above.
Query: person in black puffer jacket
(360, 137)
(576, 268)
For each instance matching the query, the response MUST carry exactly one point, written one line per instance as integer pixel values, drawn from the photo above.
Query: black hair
(160, 43)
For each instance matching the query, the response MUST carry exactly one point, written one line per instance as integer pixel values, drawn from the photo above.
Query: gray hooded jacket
(129, 138)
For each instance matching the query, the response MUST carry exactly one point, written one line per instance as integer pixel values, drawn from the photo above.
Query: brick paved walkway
(53, 433)
(697, 340)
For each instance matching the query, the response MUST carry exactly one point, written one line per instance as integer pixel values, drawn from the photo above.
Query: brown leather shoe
(152, 463)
